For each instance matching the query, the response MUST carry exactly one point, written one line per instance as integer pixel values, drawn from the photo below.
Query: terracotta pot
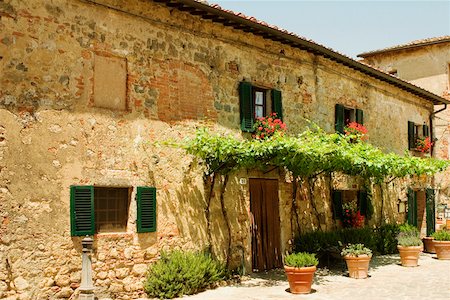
(358, 266)
(428, 244)
(300, 279)
(409, 256)
(442, 249)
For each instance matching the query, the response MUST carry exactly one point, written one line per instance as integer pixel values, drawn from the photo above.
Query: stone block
(139, 269)
(21, 284)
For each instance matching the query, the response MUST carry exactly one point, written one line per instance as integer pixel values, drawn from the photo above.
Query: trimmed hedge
(380, 240)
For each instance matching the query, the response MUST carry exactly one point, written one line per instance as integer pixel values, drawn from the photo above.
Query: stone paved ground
(388, 280)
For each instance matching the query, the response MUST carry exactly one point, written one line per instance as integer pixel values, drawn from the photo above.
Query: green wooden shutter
(339, 118)
(277, 105)
(430, 211)
(82, 220)
(426, 130)
(359, 116)
(362, 202)
(411, 135)
(246, 106)
(337, 205)
(412, 207)
(146, 209)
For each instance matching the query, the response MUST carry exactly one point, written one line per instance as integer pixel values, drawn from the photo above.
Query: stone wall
(57, 128)
(427, 66)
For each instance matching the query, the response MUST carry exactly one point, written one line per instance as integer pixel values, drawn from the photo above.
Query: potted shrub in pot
(409, 245)
(357, 257)
(300, 268)
(428, 244)
(442, 244)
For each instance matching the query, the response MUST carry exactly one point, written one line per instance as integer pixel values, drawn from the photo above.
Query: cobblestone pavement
(387, 280)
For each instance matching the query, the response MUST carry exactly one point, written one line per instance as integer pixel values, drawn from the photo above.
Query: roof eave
(229, 19)
(400, 48)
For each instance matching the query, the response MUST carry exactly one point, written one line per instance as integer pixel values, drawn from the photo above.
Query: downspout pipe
(431, 126)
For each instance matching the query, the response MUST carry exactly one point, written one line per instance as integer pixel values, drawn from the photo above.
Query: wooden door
(264, 208)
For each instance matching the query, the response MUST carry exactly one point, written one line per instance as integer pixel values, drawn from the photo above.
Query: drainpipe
(431, 126)
(433, 181)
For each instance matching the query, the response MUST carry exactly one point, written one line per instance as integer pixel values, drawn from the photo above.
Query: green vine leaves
(310, 153)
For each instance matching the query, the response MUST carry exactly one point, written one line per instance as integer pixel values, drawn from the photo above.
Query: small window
(356, 200)
(259, 102)
(105, 209)
(111, 209)
(416, 132)
(345, 115)
(254, 104)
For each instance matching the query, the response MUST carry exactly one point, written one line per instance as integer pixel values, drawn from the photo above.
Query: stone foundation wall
(57, 129)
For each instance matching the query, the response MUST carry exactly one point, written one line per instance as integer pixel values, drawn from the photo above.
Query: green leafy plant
(310, 153)
(300, 260)
(442, 235)
(356, 250)
(409, 229)
(408, 241)
(386, 238)
(182, 273)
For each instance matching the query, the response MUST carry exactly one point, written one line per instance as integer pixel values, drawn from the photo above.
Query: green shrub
(409, 236)
(409, 230)
(386, 238)
(442, 235)
(408, 241)
(301, 259)
(182, 273)
(356, 250)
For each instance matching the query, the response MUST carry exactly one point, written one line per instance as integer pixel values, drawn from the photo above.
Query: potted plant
(357, 257)
(428, 244)
(409, 245)
(300, 268)
(442, 244)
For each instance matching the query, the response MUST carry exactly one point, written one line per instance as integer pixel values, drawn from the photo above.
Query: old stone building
(89, 86)
(425, 63)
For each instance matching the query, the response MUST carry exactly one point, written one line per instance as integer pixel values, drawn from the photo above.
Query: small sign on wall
(401, 207)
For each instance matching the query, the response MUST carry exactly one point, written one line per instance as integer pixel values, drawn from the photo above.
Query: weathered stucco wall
(181, 73)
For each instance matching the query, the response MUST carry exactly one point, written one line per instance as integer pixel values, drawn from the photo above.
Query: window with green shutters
(415, 132)
(360, 198)
(344, 116)
(82, 221)
(253, 103)
(105, 209)
(337, 204)
(363, 204)
(430, 211)
(146, 209)
(412, 207)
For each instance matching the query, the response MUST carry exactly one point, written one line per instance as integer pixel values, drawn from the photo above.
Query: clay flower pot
(409, 256)
(358, 266)
(442, 249)
(300, 279)
(428, 244)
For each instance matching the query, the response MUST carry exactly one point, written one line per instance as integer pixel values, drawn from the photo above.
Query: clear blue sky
(352, 27)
